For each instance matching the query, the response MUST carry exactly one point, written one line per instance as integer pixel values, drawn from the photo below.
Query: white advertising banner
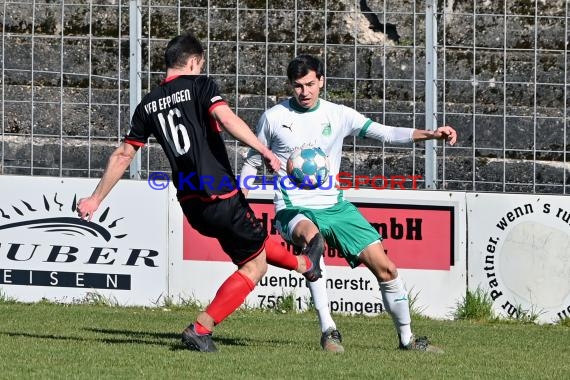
(424, 234)
(47, 251)
(519, 253)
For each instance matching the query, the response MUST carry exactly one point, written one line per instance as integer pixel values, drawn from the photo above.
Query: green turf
(50, 341)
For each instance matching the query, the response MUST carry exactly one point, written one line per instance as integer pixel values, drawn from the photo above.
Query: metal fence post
(135, 87)
(431, 93)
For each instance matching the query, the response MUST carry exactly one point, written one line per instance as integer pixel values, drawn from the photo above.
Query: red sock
(308, 263)
(201, 329)
(279, 256)
(230, 296)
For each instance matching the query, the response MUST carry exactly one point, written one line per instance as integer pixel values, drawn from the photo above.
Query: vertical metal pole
(295, 41)
(535, 98)
(431, 93)
(90, 92)
(135, 88)
(32, 89)
(354, 97)
(236, 143)
(2, 104)
(566, 97)
(61, 85)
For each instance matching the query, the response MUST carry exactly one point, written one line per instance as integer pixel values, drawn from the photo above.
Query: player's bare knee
(388, 273)
(262, 269)
(391, 272)
(259, 270)
(304, 232)
(255, 269)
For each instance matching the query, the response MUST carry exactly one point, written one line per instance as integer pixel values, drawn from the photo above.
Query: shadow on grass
(135, 333)
(85, 339)
(143, 337)
(176, 343)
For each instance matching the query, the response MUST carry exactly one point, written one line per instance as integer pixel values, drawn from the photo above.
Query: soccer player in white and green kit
(309, 216)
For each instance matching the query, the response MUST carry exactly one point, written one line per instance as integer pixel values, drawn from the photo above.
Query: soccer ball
(308, 167)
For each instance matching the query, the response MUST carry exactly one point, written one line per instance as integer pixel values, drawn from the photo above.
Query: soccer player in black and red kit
(186, 114)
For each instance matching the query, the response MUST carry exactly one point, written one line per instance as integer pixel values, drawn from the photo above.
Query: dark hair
(180, 48)
(302, 64)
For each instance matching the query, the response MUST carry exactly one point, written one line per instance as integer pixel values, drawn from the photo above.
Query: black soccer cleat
(421, 343)
(196, 342)
(314, 250)
(331, 341)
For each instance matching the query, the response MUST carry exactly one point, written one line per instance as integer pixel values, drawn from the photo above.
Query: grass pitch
(51, 341)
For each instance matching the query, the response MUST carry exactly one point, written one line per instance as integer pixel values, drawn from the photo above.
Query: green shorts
(342, 225)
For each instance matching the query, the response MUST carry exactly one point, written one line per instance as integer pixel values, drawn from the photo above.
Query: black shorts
(232, 222)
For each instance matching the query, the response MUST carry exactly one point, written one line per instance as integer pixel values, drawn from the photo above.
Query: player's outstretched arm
(446, 133)
(240, 131)
(118, 162)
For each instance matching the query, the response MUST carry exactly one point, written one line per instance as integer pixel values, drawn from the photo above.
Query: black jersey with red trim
(178, 114)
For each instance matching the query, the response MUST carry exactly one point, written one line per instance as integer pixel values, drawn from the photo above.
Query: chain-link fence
(501, 80)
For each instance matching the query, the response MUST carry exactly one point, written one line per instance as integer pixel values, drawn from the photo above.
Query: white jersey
(287, 126)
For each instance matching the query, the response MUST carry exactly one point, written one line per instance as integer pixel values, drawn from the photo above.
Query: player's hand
(86, 207)
(272, 161)
(446, 133)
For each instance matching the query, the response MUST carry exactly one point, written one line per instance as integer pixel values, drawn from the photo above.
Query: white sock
(321, 300)
(396, 302)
